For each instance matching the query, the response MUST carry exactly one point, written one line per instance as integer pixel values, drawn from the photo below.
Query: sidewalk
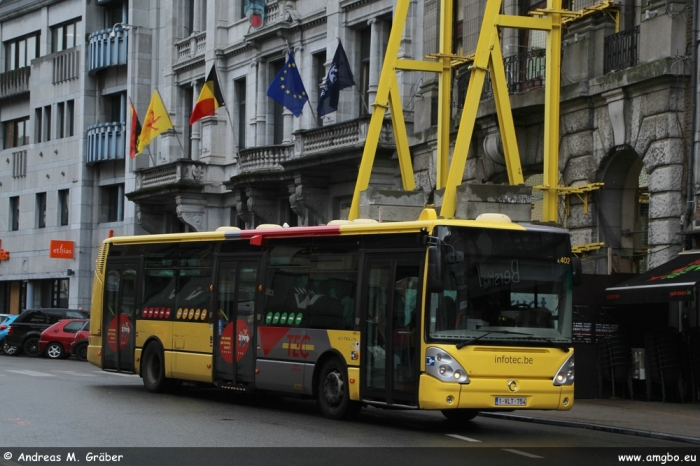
(670, 421)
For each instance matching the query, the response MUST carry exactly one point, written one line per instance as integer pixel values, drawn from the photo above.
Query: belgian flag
(135, 131)
(209, 99)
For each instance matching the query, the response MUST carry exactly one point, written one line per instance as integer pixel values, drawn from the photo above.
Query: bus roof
(362, 227)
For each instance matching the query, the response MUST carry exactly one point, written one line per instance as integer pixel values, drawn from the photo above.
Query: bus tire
(333, 392)
(153, 369)
(460, 415)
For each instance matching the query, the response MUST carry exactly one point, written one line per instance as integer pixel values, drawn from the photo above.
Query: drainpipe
(693, 178)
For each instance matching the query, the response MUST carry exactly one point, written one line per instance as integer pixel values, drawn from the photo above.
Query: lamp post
(123, 26)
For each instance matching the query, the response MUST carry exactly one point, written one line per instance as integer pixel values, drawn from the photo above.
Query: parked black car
(25, 331)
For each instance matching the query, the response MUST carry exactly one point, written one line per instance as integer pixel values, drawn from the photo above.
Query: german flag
(209, 99)
(135, 131)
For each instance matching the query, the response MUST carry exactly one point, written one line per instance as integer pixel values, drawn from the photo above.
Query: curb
(591, 426)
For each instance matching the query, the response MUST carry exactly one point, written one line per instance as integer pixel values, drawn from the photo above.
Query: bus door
(121, 298)
(391, 302)
(235, 296)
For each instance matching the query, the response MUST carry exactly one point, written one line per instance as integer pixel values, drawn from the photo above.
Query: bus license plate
(510, 401)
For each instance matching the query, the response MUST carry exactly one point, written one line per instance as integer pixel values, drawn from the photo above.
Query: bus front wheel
(460, 415)
(153, 369)
(333, 392)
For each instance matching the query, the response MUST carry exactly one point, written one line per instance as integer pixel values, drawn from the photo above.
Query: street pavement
(669, 421)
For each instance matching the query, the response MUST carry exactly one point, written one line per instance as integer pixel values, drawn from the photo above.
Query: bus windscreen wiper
(561, 346)
(464, 343)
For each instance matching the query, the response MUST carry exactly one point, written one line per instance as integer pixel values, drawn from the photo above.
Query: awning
(673, 281)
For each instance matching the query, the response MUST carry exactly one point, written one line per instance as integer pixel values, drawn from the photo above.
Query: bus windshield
(502, 286)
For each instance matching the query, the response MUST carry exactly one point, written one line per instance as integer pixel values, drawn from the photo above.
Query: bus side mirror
(578, 271)
(435, 284)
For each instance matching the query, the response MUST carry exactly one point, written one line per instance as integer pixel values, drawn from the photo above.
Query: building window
(16, 133)
(458, 26)
(14, 213)
(277, 108)
(47, 123)
(319, 64)
(20, 52)
(365, 41)
(188, 95)
(37, 125)
(240, 90)
(63, 36)
(41, 210)
(19, 164)
(63, 205)
(70, 112)
(115, 108)
(60, 117)
(113, 202)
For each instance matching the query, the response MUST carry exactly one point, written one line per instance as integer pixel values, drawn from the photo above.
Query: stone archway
(622, 222)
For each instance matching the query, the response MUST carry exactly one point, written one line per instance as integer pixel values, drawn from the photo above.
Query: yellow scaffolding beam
(487, 59)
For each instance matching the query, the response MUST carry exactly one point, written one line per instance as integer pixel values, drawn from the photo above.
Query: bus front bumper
(494, 394)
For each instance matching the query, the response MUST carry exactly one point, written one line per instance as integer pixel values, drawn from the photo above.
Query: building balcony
(106, 141)
(268, 158)
(15, 82)
(107, 48)
(621, 50)
(340, 137)
(191, 47)
(176, 177)
(524, 72)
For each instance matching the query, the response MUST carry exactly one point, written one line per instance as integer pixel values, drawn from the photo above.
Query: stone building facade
(628, 120)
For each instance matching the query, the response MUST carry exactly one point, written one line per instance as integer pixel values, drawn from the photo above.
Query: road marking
(464, 438)
(77, 374)
(518, 452)
(115, 373)
(32, 373)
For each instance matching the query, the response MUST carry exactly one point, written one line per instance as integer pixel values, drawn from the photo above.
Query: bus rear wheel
(333, 392)
(153, 369)
(460, 415)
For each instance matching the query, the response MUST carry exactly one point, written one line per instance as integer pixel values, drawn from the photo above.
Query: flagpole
(151, 155)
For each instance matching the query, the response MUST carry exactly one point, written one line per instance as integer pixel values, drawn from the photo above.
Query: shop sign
(61, 249)
(4, 255)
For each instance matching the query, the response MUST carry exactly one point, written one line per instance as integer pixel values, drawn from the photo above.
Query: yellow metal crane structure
(487, 59)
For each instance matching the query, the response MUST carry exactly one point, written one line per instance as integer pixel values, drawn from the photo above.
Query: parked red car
(80, 342)
(55, 341)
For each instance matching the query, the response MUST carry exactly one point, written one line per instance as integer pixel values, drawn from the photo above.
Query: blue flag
(339, 77)
(287, 88)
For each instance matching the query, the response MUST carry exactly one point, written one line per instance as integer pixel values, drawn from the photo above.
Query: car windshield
(502, 285)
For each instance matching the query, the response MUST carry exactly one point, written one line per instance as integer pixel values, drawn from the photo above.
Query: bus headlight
(565, 374)
(443, 367)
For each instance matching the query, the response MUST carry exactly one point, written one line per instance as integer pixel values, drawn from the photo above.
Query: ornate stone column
(374, 60)
(196, 132)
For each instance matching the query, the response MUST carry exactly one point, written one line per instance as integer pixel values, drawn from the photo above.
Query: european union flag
(338, 78)
(287, 88)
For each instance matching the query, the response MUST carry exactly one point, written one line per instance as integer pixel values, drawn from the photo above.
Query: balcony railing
(348, 134)
(192, 46)
(106, 141)
(621, 50)
(15, 82)
(66, 65)
(181, 172)
(524, 71)
(268, 158)
(107, 48)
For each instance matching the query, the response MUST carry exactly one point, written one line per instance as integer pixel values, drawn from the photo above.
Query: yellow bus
(459, 316)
